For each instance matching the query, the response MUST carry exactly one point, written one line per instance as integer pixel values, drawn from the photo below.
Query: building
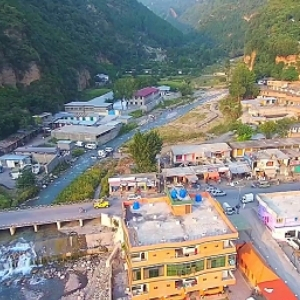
(269, 163)
(260, 276)
(164, 90)
(44, 118)
(48, 157)
(100, 135)
(280, 212)
(101, 106)
(239, 149)
(146, 98)
(76, 120)
(196, 154)
(65, 145)
(133, 183)
(14, 161)
(175, 247)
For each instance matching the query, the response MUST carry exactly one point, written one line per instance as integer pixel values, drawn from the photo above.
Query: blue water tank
(173, 194)
(198, 198)
(136, 205)
(182, 193)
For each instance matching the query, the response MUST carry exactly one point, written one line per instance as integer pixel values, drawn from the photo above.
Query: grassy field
(174, 83)
(95, 92)
(173, 102)
(136, 114)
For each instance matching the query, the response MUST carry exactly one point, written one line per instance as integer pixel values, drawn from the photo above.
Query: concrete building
(199, 154)
(280, 212)
(65, 145)
(100, 135)
(99, 106)
(14, 161)
(48, 157)
(146, 98)
(268, 163)
(133, 183)
(175, 248)
(239, 149)
(164, 89)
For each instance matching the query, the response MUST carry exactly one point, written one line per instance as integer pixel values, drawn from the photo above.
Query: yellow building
(175, 248)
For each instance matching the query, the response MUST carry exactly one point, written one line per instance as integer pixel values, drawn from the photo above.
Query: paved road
(49, 215)
(48, 195)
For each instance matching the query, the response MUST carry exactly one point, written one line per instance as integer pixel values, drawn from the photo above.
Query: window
(216, 262)
(279, 220)
(137, 274)
(185, 269)
(153, 272)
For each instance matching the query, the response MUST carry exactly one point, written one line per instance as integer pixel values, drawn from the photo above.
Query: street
(48, 195)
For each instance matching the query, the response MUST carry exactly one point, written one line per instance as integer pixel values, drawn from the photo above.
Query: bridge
(46, 215)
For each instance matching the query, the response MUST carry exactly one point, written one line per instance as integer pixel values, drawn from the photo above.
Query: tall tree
(124, 88)
(144, 148)
(268, 129)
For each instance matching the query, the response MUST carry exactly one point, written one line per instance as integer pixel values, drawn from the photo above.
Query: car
(210, 188)
(109, 149)
(295, 244)
(101, 203)
(133, 197)
(218, 193)
(263, 184)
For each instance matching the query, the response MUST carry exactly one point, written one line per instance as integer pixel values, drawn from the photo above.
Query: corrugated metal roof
(13, 157)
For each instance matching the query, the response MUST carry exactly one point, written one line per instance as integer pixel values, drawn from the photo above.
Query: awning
(239, 169)
(212, 175)
(191, 178)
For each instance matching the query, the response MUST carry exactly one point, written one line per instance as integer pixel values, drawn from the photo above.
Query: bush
(127, 128)
(136, 114)
(26, 194)
(83, 187)
(77, 152)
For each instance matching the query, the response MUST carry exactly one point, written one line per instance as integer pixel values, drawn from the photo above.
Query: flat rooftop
(43, 150)
(199, 148)
(273, 143)
(283, 204)
(154, 223)
(84, 129)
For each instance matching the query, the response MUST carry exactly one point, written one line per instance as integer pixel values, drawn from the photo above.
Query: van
(247, 198)
(91, 146)
(228, 210)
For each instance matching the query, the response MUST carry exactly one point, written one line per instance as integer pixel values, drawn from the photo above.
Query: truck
(247, 198)
(228, 210)
(295, 244)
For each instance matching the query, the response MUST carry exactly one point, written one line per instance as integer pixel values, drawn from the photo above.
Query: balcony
(228, 277)
(229, 244)
(186, 252)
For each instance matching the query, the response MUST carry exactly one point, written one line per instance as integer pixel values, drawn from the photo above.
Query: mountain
(223, 21)
(50, 49)
(272, 40)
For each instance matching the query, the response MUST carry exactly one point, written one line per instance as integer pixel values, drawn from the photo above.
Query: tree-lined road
(48, 195)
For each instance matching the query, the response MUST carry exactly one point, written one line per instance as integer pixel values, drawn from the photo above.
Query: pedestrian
(244, 204)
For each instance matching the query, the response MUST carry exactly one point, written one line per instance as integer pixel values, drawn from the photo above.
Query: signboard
(294, 162)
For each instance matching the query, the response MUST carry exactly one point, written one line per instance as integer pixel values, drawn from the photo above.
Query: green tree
(144, 148)
(242, 83)
(244, 132)
(290, 74)
(185, 89)
(26, 180)
(231, 108)
(124, 88)
(268, 128)
(283, 125)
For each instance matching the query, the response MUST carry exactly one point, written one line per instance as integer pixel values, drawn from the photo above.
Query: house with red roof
(146, 98)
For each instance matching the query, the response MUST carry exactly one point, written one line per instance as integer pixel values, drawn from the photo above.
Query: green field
(95, 92)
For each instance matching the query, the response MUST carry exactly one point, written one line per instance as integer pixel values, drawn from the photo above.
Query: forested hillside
(225, 21)
(272, 41)
(51, 48)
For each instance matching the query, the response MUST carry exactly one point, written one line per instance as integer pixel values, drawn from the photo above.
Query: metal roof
(45, 150)
(13, 157)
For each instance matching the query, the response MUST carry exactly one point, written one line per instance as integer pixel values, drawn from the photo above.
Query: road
(50, 215)
(48, 195)
(261, 236)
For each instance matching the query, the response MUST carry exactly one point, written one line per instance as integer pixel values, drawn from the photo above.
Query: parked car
(264, 184)
(109, 149)
(210, 188)
(295, 244)
(133, 197)
(218, 193)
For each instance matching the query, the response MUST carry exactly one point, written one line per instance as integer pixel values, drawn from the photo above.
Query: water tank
(182, 193)
(173, 194)
(136, 205)
(198, 198)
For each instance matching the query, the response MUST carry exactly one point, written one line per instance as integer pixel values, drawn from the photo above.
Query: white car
(210, 189)
(109, 149)
(293, 243)
(133, 197)
(218, 193)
